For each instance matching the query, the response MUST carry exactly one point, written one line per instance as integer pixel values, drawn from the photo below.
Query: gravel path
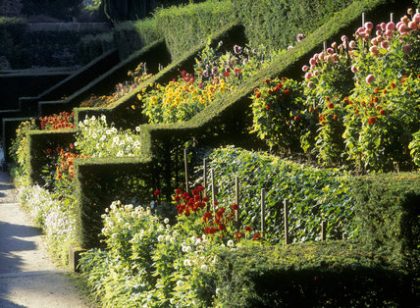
(27, 276)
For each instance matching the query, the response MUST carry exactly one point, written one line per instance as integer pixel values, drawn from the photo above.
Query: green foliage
(19, 149)
(414, 147)
(314, 194)
(334, 274)
(190, 25)
(387, 215)
(92, 46)
(277, 109)
(55, 215)
(131, 36)
(276, 23)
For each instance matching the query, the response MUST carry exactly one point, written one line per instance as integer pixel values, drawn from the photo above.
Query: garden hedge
(92, 46)
(190, 25)
(131, 36)
(26, 83)
(12, 45)
(39, 142)
(105, 83)
(124, 115)
(387, 215)
(332, 274)
(224, 121)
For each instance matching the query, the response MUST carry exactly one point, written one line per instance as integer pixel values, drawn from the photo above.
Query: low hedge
(190, 25)
(39, 142)
(387, 215)
(334, 274)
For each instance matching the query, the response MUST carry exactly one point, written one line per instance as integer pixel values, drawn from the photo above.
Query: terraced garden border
(215, 123)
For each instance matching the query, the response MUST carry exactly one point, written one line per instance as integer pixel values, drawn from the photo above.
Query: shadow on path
(11, 241)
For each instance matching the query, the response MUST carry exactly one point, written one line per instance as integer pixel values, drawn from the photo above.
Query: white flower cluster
(38, 201)
(98, 139)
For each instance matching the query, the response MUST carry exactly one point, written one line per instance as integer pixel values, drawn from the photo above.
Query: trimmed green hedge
(333, 274)
(276, 23)
(12, 44)
(93, 46)
(122, 113)
(190, 25)
(131, 36)
(387, 215)
(39, 142)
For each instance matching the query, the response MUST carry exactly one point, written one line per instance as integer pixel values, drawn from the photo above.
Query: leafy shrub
(314, 194)
(369, 122)
(277, 114)
(19, 149)
(414, 146)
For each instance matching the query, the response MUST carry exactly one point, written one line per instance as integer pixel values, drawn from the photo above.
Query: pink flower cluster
(385, 32)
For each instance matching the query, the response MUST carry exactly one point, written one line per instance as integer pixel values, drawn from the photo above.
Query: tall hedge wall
(190, 25)
(131, 36)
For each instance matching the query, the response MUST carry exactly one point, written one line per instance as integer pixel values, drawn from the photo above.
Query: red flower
(267, 107)
(296, 118)
(372, 120)
(156, 192)
(248, 228)
(256, 236)
(207, 216)
(257, 94)
(286, 91)
(226, 74)
(239, 235)
(382, 112)
(331, 105)
(234, 207)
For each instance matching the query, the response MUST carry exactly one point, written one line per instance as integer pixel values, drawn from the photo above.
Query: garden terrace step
(155, 55)
(28, 106)
(121, 112)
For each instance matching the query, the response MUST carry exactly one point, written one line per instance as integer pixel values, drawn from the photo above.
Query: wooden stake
(262, 212)
(323, 230)
(205, 182)
(325, 45)
(213, 190)
(391, 17)
(187, 188)
(363, 19)
(238, 224)
(286, 221)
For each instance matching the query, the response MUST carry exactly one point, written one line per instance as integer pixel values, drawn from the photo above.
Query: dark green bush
(190, 25)
(335, 274)
(92, 46)
(387, 214)
(12, 45)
